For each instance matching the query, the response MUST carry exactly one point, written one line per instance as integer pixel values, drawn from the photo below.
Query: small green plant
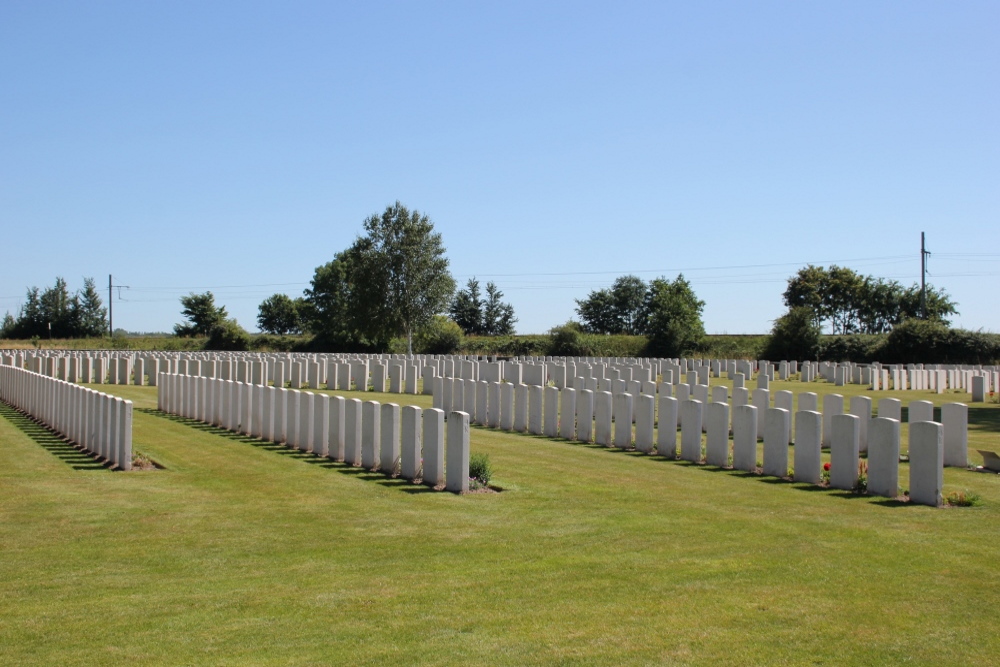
(826, 473)
(36, 342)
(861, 486)
(480, 468)
(964, 499)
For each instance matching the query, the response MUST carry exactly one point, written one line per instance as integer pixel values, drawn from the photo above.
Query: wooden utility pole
(923, 277)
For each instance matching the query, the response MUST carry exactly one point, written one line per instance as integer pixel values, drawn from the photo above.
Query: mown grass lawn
(240, 552)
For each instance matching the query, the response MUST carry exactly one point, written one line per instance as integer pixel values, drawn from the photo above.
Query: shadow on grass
(987, 419)
(733, 472)
(342, 467)
(72, 455)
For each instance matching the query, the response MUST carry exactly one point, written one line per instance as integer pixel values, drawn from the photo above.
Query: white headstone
(808, 435)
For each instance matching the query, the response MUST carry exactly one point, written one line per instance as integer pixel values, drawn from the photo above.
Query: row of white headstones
(592, 417)
(97, 422)
(374, 436)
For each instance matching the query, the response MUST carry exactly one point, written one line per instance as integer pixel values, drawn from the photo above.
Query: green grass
(241, 552)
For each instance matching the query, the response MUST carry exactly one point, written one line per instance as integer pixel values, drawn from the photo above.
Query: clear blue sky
(236, 146)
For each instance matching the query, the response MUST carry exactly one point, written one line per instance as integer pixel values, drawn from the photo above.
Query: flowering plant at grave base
(861, 486)
(826, 473)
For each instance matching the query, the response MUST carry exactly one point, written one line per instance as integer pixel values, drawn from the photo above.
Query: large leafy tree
(675, 326)
(597, 312)
(329, 309)
(795, 335)
(279, 314)
(854, 303)
(400, 274)
(202, 315)
(621, 309)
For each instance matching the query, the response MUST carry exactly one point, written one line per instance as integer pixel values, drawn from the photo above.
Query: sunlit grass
(242, 552)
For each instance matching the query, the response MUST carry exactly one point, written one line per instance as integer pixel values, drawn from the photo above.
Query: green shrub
(964, 499)
(228, 336)
(915, 341)
(567, 341)
(795, 336)
(859, 348)
(480, 468)
(734, 347)
(442, 336)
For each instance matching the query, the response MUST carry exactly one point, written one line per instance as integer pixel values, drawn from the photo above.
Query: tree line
(666, 311)
(54, 312)
(857, 304)
(392, 281)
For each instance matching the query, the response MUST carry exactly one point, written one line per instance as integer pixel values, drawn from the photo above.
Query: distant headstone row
(607, 418)
(97, 422)
(402, 374)
(374, 436)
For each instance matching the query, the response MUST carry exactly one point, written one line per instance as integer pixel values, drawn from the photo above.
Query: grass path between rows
(242, 552)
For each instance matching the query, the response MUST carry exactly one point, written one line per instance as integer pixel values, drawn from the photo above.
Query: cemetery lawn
(242, 552)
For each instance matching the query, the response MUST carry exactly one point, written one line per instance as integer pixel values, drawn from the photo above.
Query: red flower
(826, 466)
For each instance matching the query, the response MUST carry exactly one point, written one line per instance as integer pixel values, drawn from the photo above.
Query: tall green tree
(279, 314)
(330, 309)
(57, 312)
(482, 317)
(91, 315)
(621, 309)
(597, 312)
(675, 326)
(498, 317)
(7, 328)
(30, 318)
(401, 274)
(854, 303)
(795, 336)
(57, 309)
(202, 315)
(466, 308)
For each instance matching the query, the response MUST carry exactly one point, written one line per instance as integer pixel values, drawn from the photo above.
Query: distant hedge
(915, 341)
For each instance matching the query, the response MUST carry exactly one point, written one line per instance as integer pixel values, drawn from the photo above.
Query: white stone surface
(389, 438)
(717, 434)
(776, 437)
(808, 439)
(691, 423)
(644, 421)
(409, 442)
(883, 457)
(844, 451)
(833, 405)
(890, 408)
(457, 470)
(955, 425)
(623, 420)
(353, 424)
(585, 415)
(552, 412)
(567, 414)
(745, 437)
(603, 416)
(920, 411)
(926, 450)
(433, 447)
(861, 407)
